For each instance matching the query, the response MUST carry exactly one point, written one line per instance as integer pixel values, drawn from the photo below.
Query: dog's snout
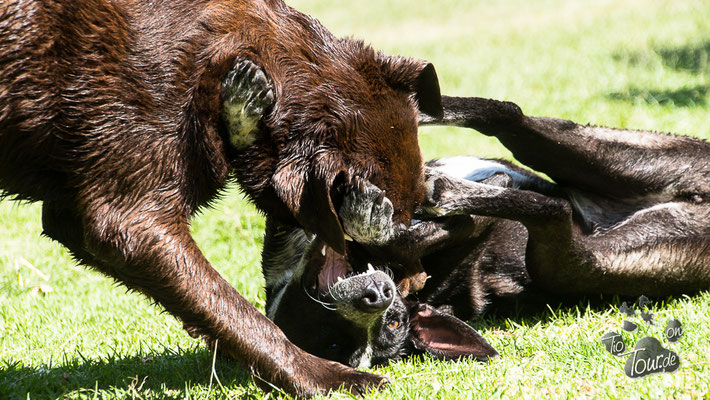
(377, 296)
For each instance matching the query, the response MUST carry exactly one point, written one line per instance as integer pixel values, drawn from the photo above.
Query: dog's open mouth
(335, 268)
(326, 267)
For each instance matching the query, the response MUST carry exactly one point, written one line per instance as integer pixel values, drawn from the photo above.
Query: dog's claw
(381, 198)
(246, 94)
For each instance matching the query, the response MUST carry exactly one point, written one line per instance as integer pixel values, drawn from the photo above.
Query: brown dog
(111, 114)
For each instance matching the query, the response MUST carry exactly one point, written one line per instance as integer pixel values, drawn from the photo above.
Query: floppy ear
(417, 77)
(308, 193)
(444, 336)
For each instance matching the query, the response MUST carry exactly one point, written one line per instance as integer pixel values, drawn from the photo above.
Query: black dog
(627, 214)
(338, 309)
(123, 118)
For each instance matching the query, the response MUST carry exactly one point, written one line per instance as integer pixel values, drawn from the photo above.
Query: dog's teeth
(370, 268)
(322, 251)
(347, 237)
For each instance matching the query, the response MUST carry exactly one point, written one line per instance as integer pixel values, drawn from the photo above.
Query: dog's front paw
(359, 383)
(246, 94)
(318, 377)
(366, 214)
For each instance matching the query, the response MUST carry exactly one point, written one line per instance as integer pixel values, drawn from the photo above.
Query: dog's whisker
(326, 305)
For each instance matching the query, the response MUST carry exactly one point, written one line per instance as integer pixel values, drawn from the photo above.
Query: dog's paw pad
(366, 213)
(246, 95)
(440, 190)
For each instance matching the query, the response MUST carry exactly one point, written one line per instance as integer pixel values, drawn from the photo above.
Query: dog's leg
(656, 245)
(657, 251)
(447, 196)
(152, 251)
(618, 163)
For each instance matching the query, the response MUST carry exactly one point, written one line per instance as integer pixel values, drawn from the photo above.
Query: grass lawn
(69, 332)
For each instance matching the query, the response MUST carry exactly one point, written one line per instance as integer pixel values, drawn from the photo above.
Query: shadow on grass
(166, 375)
(696, 96)
(693, 58)
(545, 310)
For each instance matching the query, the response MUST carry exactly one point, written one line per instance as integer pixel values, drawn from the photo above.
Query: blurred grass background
(68, 332)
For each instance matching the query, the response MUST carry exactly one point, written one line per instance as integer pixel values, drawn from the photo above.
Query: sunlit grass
(68, 331)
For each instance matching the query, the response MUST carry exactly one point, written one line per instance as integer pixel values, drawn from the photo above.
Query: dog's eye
(393, 324)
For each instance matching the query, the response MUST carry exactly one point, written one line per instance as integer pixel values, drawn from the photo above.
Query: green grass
(625, 63)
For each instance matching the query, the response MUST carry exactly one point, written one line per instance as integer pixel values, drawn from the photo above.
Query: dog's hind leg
(617, 163)
(660, 250)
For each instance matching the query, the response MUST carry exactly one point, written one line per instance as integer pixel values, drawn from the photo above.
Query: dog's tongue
(335, 266)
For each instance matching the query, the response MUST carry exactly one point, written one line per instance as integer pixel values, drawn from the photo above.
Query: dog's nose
(377, 296)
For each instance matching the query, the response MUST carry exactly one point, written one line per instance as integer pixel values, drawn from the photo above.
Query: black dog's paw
(439, 188)
(246, 94)
(366, 214)
(500, 179)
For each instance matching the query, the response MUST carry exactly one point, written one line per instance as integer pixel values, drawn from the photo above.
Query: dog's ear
(309, 193)
(444, 336)
(417, 77)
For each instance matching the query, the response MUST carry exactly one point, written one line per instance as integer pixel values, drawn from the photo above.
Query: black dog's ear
(417, 77)
(444, 336)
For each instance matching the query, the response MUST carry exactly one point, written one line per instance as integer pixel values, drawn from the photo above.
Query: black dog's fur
(627, 214)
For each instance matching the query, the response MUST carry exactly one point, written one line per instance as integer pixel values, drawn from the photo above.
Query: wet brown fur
(110, 115)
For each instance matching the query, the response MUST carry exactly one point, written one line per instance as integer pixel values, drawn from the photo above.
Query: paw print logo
(648, 356)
